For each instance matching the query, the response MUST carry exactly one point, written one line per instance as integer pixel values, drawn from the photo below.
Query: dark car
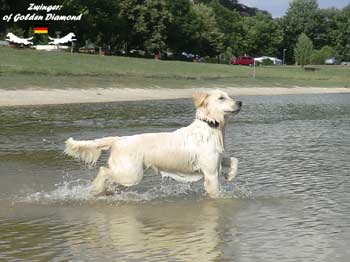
(242, 60)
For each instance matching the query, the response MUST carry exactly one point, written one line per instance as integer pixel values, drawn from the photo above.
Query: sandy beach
(69, 96)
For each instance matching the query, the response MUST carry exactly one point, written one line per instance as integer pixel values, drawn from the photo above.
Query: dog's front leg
(230, 167)
(211, 185)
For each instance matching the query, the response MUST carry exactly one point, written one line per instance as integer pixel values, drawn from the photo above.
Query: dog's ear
(199, 98)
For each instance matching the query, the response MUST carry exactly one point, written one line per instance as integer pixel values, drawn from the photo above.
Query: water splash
(78, 192)
(67, 191)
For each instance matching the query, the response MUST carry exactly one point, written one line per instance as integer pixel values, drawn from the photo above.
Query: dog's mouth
(233, 111)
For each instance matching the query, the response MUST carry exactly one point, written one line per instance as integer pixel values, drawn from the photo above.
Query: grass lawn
(24, 68)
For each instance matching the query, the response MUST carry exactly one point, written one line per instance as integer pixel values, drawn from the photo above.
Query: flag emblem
(40, 30)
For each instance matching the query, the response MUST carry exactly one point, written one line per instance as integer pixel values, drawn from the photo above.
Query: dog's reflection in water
(186, 230)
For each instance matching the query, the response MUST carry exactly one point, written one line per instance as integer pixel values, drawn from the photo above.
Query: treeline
(209, 28)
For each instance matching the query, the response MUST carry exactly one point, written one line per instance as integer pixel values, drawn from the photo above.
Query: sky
(278, 7)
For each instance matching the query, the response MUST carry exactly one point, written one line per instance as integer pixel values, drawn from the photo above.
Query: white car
(332, 61)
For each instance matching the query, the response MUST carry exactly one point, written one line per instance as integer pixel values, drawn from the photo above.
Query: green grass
(24, 68)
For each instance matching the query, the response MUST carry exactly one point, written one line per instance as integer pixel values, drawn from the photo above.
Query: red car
(242, 60)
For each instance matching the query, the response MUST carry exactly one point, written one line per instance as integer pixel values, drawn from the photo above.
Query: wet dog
(188, 154)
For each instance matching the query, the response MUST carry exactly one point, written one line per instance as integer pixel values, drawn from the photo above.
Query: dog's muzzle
(239, 107)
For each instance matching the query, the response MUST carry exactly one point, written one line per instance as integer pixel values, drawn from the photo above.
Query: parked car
(332, 61)
(242, 60)
(345, 63)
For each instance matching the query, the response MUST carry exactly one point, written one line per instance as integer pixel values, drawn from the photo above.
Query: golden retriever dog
(187, 154)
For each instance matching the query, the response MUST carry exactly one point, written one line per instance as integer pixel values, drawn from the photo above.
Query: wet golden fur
(187, 154)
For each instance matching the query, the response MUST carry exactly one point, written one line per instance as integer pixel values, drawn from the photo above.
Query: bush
(303, 50)
(319, 56)
(225, 58)
(213, 60)
(265, 62)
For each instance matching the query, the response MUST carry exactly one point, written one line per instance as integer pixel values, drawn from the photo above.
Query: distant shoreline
(30, 97)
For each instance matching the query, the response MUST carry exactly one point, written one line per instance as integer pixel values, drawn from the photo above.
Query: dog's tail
(88, 151)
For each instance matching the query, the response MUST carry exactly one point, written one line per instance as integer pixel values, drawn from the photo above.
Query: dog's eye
(221, 98)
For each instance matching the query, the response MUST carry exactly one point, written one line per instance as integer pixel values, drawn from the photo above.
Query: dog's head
(215, 105)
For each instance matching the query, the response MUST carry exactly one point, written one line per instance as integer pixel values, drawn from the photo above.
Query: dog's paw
(230, 176)
(96, 193)
(232, 172)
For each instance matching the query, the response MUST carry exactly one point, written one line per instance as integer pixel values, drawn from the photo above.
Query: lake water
(289, 202)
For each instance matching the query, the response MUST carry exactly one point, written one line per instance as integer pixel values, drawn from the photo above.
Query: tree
(324, 33)
(234, 5)
(342, 39)
(147, 22)
(180, 32)
(301, 17)
(230, 23)
(303, 50)
(204, 27)
(263, 35)
(207, 37)
(100, 22)
(157, 16)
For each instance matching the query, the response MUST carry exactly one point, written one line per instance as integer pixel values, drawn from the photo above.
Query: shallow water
(290, 201)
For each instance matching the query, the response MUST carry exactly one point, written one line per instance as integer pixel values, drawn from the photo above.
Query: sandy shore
(68, 96)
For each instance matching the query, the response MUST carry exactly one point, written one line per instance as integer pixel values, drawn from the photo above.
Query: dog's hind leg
(98, 186)
(127, 174)
(122, 171)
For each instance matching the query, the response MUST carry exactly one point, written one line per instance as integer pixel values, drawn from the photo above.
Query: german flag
(40, 30)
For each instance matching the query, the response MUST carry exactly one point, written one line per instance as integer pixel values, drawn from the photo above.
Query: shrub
(265, 62)
(319, 56)
(303, 50)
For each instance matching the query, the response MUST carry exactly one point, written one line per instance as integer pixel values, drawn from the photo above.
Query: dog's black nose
(239, 103)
